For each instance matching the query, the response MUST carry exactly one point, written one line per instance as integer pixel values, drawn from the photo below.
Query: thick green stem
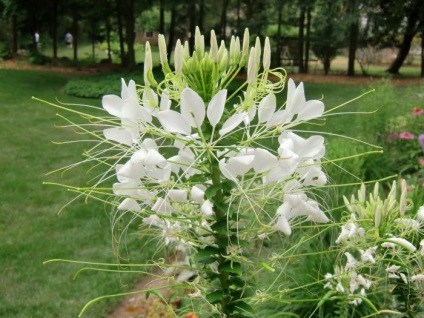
(221, 217)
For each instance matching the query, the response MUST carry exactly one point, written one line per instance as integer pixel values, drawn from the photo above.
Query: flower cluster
(178, 137)
(406, 139)
(383, 246)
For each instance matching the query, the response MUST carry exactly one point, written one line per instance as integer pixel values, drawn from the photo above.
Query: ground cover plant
(209, 179)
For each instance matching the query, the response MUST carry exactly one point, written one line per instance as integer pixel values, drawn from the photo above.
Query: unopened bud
(362, 193)
(376, 189)
(246, 43)
(221, 50)
(377, 217)
(267, 54)
(178, 58)
(252, 66)
(258, 50)
(199, 42)
(148, 66)
(214, 47)
(163, 54)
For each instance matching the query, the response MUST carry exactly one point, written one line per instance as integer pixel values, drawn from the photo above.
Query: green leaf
(220, 227)
(244, 307)
(227, 186)
(215, 297)
(211, 191)
(231, 267)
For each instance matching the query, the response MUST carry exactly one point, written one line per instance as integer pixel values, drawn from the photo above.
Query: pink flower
(417, 111)
(406, 135)
(421, 162)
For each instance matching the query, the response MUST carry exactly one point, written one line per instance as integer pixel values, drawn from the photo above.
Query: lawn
(32, 231)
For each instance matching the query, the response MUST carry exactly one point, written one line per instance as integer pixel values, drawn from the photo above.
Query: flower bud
(258, 50)
(199, 42)
(246, 41)
(221, 51)
(251, 66)
(267, 55)
(178, 58)
(214, 47)
(163, 54)
(377, 217)
(148, 66)
(403, 193)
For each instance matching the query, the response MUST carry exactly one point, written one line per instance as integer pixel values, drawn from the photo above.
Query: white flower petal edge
(216, 107)
(232, 122)
(174, 122)
(192, 107)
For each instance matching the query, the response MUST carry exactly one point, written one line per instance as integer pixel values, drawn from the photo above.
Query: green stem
(220, 216)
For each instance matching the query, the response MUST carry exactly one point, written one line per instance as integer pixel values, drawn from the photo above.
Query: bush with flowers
(404, 143)
(221, 176)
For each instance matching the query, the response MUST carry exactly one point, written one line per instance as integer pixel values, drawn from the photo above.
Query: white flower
(207, 208)
(367, 255)
(408, 224)
(352, 263)
(417, 278)
(392, 269)
(402, 242)
(296, 205)
(420, 214)
(297, 104)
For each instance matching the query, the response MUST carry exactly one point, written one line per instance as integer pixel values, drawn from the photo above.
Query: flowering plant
(405, 142)
(381, 248)
(214, 171)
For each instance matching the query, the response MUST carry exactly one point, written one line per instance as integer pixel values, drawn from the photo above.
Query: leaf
(220, 227)
(231, 267)
(214, 297)
(244, 307)
(211, 191)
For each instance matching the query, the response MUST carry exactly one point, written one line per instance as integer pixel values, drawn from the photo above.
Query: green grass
(31, 231)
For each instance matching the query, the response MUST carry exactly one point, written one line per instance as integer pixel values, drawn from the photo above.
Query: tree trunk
(326, 63)
(308, 38)
(353, 37)
(411, 30)
(121, 33)
(162, 17)
(192, 19)
(422, 53)
(14, 35)
(201, 16)
(279, 22)
(54, 27)
(301, 40)
(75, 32)
(223, 23)
(108, 29)
(171, 33)
(130, 33)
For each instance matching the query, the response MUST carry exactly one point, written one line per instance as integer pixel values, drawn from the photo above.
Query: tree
(415, 21)
(353, 26)
(328, 33)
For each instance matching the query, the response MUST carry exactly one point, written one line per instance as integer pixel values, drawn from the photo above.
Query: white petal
(279, 118)
(240, 165)
(206, 208)
(216, 107)
(192, 107)
(113, 105)
(197, 194)
(130, 205)
(310, 110)
(178, 195)
(121, 135)
(312, 146)
(174, 122)
(153, 220)
(132, 171)
(225, 171)
(264, 160)
(232, 123)
(266, 108)
(154, 158)
(283, 225)
(403, 242)
(126, 188)
(298, 99)
(162, 206)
